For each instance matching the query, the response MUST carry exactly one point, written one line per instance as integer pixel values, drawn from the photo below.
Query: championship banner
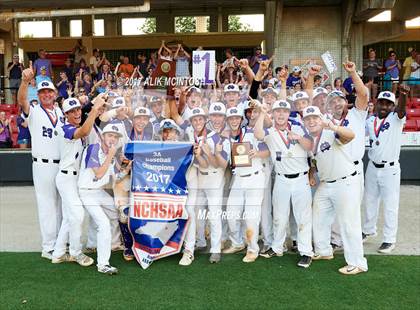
(158, 218)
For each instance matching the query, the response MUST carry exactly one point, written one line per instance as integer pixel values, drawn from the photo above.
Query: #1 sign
(204, 64)
(329, 62)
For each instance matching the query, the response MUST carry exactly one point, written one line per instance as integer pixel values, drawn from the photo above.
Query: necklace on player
(285, 141)
(378, 130)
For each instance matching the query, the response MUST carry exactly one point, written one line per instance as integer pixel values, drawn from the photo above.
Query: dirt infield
(19, 230)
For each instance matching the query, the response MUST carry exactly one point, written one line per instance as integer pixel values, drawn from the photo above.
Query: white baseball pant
(267, 208)
(48, 202)
(341, 198)
(191, 205)
(73, 215)
(101, 208)
(244, 202)
(297, 192)
(382, 184)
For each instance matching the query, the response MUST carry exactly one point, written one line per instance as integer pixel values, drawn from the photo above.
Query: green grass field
(29, 282)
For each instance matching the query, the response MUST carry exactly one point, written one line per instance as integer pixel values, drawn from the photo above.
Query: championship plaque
(165, 70)
(240, 157)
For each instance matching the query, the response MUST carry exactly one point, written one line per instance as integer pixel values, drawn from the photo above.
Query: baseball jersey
(214, 138)
(193, 138)
(94, 157)
(247, 135)
(43, 125)
(330, 157)
(70, 149)
(385, 137)
(288, 156)
(95, 135)
(355, 119)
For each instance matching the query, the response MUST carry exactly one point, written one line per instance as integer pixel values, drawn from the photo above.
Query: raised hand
(27, 75)
(349, 66)
(314, 69)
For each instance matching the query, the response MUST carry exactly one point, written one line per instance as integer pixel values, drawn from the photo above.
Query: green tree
(149, 26)
(185, 24)
(235, 24)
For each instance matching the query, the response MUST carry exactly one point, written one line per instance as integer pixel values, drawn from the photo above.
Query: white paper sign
(204, 66)
(329, 62)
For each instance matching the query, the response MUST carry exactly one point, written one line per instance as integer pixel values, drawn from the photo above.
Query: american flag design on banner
(158, 217)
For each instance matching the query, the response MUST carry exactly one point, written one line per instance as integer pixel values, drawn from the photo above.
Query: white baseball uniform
(73, 213)
(291, 187)
(246, 195)
(43, 125)
(383, 174)
(337, 194)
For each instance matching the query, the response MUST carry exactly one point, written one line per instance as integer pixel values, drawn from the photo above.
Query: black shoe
(305, 261)
(294, 246)
(336, 248)
(386, 247)
(367, 236)
(270, 253)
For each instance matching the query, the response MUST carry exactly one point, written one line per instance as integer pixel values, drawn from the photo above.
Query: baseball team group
(280, 164)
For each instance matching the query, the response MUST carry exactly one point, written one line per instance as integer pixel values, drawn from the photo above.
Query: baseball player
(288, 148)
(247, 190)
(383, 173)
(169, 130)
(44, 120)
(300, 101)
(338, 191)
(71, 142)
(231, 95)
(319, 98)
(354, 119)
(97, 174)
(197, 134)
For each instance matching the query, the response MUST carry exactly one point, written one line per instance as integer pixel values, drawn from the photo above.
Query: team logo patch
(142, 111)
(231, 86)
(72, 102)
(278, 156)
(196, 111)
(299, 95)
(385, 126)
(119, 102)
(345, 123)
(233, 111)
(325, 146)
(45, 84)
(283, 104)
(387, 94)
(217, 108)
(61, 119)
(310, 110)
(114, 128)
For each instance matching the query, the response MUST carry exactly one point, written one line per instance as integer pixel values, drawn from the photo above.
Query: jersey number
(46, 132)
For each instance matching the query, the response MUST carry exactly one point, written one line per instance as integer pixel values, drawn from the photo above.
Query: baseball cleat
(128, 255)
(215, 258)
(89, 250)
(47, 255)
(187, 259)
(350, 270)
(118, 248)
(250, 257)
(366, 237)
(336, 248)
(107, 269)
(62, 259)
(265, 248)
(386, 247)
(270, 253)
(83, 260)
(233, 249)
(321, 257)
(294, 247)
(305, 261)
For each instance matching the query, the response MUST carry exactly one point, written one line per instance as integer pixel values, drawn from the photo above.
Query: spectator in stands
(294, 78)
(152, 62)
(393, 67)
(182, 62)
(103, 61)
(229, 67)
(371, 109)
(407, 63)
(63, 85)
(24, 136)
(5, 131)
(43, 62)
(43, 76)
(14, 71)
(93, 63)
(104, 73)
(79, 52)
(328, 87)
(317, 81)
(125, 68)
(254, 61)
(371, 69)
(142, 64)
(414, 81)
(69, 70)
(83, 66)
(349, 89)
(164, 52)
(338, 84)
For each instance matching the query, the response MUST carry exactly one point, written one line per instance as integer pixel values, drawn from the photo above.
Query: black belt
(206, 173)
(69, 172)
(383, 165)
(54, 161)
(356, 162)
(293, 176)
(248, 175)
(351, 175)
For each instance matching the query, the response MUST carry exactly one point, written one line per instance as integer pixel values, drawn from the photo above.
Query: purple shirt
(5, 134)
(394, 72)
(23, 131)
(39, 63)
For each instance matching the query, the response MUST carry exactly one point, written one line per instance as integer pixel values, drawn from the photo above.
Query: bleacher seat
(413, 113)
(410, 125)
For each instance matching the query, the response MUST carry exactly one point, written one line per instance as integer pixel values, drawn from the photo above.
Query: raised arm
(361, 90)
(85, 129)
(402, 100)
(27, 76)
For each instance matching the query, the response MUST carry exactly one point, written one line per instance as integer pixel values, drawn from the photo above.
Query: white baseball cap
(311, 110)
(299, 96)
(387, 95)
(141, 111)
(269, 90)
(155, 99)
(248, 104)
(194, 89)
(229, 88)
(296, 69)
(217, 108)
(70, 104)
(280, 104)
(197, 112)
(118, 102)
(334, 94)
(112, 128)
(169, 124)
(234, 111)
(45, 85)
(319, 91)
